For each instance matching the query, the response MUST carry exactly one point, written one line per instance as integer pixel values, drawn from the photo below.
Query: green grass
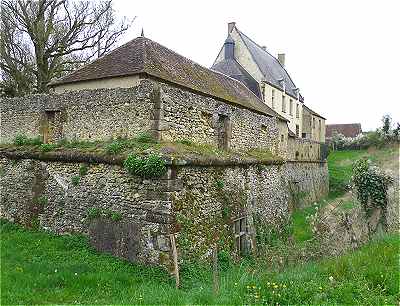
(38, 268)
(340, 165)
(340, 169)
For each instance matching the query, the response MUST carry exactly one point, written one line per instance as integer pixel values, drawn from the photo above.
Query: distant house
(350, 130)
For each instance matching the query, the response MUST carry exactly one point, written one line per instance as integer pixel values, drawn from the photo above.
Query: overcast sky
(344, 55)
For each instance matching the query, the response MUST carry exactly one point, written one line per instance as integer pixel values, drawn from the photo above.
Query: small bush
(47, 147)
(22, 140)
(371, 185)
(146, 167)
(93, 213)
(75, 180)
(115, 216)
(145, 138)
(42, 201)
(83, 170)
(115, 147)
(219, 184)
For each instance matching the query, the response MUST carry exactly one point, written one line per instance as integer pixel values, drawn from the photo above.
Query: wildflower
(320, 288)
(276, 286)
(76, 274)
(268, 283)
(235, 284)
(284, 286)
(55, 271)
(331, 278)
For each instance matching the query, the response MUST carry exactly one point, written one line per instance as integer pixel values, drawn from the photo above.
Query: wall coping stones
(73, 156)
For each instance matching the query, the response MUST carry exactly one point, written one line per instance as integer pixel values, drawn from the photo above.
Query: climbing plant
(371, 185)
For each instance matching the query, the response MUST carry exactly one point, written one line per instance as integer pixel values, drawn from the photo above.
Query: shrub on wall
(22, 140)
(47, 147)
(371, 185)
(146, 167)
(115, 147)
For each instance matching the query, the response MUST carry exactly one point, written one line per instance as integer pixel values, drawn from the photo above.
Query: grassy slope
(340, 171)
(38, 267)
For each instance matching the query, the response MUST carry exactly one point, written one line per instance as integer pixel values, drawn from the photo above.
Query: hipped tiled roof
(142, 55)
(348, 130)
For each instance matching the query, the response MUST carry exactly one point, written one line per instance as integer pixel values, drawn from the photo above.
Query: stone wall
(200, 204)
(303, 149)
(84, 115)
(169, 112)
(308, 182)
(187, 115)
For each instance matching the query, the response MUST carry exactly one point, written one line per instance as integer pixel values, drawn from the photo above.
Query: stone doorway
(52, 126)
(224, 132)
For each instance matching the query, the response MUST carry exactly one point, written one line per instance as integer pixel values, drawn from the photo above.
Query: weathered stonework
(199, 204)
(168, 112)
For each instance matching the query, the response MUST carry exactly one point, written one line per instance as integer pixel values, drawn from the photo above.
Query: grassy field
(38, 268)
(41, 268)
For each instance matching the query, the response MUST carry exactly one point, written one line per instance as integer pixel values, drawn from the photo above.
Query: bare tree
(44, 39)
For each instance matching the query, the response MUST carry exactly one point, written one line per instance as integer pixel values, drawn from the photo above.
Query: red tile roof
(348, 130)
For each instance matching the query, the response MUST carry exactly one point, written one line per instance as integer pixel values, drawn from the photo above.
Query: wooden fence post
(215, 269)
(175, 257)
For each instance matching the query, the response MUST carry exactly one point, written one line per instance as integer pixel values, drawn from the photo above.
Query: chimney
(281, 59)
(264, 48)
(231, 25)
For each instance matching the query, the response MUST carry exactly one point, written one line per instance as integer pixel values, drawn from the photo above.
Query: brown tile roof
(142, 55)
(348, 130)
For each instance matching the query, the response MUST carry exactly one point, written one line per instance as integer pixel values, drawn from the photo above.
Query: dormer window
(263, 90)
(297, 92)
(282, 83)
(273, 98)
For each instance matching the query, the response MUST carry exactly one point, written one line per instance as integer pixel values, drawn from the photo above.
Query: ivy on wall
(371, 185)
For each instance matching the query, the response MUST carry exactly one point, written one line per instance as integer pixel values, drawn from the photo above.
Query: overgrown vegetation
(385, 135)
(371, 185)
(150, 166)
(75, 180)
(94, 213)
(41, 268)
(141, 145)
(22, 140)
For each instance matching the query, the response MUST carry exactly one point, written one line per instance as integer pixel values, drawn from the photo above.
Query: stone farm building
(144, 87)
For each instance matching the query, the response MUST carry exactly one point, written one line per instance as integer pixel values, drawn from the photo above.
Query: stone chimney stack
(231, 25)
(281, 59)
